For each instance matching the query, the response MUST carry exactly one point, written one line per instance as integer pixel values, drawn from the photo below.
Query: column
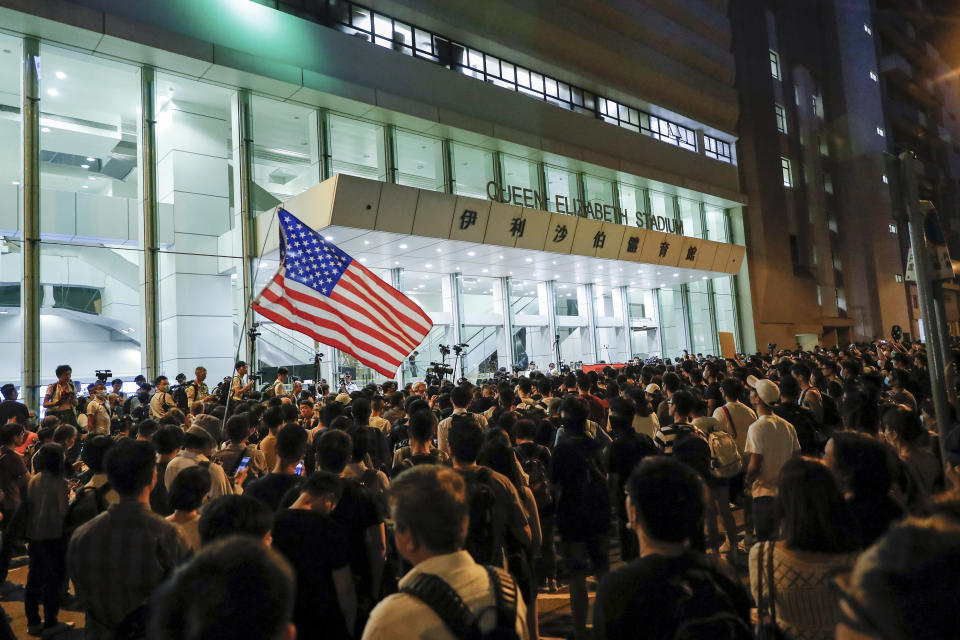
(502, 299)
(390, 153)
(452, 296)
(591, 343)
(620, 299)
(448, 173)
(31, 222)
(551, 303)
(243, 161)
(150, 204)
(323, 124)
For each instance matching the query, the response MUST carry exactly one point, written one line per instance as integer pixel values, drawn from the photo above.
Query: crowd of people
(796, 494)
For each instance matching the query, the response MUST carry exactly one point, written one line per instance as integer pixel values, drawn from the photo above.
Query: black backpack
(180, 397)
(703, 610)
(538, 481)
(481, 539)
(88, 503)
(408, 460)
(586, 506)
(434, 592)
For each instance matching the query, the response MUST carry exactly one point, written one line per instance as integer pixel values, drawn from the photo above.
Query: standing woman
(47, 498)
(61, 397)
(819, 539)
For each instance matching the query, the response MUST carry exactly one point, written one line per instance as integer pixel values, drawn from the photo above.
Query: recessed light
(632, 283)
(600, 268)
(89, 159)
(395, 262)
(403, 246)
(439, 249)
(662, 285)
(555, 276)
(428, 265)
(363, 259)
(676, 275)
(529, 259)
(60, 75)
(366, 242)
(91, 178)
(703, 278)
(485, 270)
(84, 187)
(52, 92)
(471, 253)
(45, 129)
(84, 166)
(458, 268)
(328, 237)
(501, 257)
(16, 183)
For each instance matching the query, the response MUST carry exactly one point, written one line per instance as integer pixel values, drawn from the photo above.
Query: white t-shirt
(101, 418)
(775, 439)
(743, 416)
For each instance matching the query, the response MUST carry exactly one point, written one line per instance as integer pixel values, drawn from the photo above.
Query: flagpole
(246, 316)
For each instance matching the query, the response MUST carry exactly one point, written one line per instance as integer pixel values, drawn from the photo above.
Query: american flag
(321, 291)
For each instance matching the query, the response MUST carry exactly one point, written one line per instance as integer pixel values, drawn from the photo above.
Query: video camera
(439, 369)
(103, 375)
(458, 348)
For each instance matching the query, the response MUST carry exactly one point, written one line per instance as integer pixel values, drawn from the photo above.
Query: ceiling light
(632, 283)
(676, 275)
(45, 129)
(366, 242)
(395, 262)
(52, 92)
(84, 166)
(529, 259)
(439, 249)
(403, 246)
(84, 187)
(16, 183)
(91, 178)
(89, 159)
(554, 262)
(471, 253)
(555, 276)
(662, 285)
(703, 278)
(501, 257)
(458, 268)
(600, 268)
(328, 237)
(485, 270)
(428, 265)
(363, 259)
(60, 75)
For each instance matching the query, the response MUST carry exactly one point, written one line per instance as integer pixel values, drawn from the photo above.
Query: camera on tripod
(103, 375)
(439, 369)
(458, 348)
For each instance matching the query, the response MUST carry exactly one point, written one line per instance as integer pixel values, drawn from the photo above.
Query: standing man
(98, 416)
(412, 362)
(279, 386)
(237, 389)
(10, 409)
(771, 441)
(13, 484)
(197, 390)
(162, 401)
(61, 398)
(117, 385)
(346, 386)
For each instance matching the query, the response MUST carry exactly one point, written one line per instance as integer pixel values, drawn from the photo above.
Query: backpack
(481, 539)
(725, 460)
(538, 481)
(408, 460)
(141, 413)
(589, 502)
(180, 397)
(434, 592)
(88, 503)
(704, 611)
(831, 413)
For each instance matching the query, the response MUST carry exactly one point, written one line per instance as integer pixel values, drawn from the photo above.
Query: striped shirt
(666, 435)
(118, 559)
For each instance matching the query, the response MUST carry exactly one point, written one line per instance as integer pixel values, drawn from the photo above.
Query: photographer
(61, 398)
(346, 385)
(238, 390)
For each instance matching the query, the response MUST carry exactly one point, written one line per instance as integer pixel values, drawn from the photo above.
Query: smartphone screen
(300, 468)
(243, 464)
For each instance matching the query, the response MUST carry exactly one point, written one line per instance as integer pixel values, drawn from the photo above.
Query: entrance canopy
(389, 226)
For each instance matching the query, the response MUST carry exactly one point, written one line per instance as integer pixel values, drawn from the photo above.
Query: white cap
(653, 388)
(768, 390)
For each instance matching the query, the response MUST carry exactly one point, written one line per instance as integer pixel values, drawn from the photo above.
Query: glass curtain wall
(419, 160)
(563, 183)
(644, 334)
(691, 217)
(701, 320)
(434, 293)
(357, 148)
(529, 315)
(287, 162)
(609, 319)
(599, 190)
(571, 308)
(91, 221)
(672, 322)
(472, 169)
(725, 307)
(518, 172)
(482, 310)
(11, 210)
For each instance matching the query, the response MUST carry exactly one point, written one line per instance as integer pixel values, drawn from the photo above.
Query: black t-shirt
(159, 497)
(804, 423)
(638, 599)
(569, 470)
(316, 546)
(623, 454)
(534, 450)
(272, 487)
(13, 409)
(356, 512)
(713, 393)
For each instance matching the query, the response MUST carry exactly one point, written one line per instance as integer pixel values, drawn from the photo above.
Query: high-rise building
(830, 93)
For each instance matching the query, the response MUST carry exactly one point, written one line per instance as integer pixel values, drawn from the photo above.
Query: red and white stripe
(364, 316)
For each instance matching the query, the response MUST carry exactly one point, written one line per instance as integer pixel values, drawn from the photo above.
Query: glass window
(91, 265)
(609, 320)
(691, 218)
(482, 327)
(472, 170)
(11, 198)
(532, 341)
(781, 118)
(775, 65)
(434, 293)
(786, 171)
(701, 324)
(644, 333)
(598, 190)
(725, 306)
(672, 323)
(561, 184)
(662, 204)
(716, 223)
(632, 199)
(518, 172)
(356, 148)
(286, 157)
(419, 161)
(571, 304)
(201, 270)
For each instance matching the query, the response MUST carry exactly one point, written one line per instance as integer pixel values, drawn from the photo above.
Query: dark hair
(291, 443)
(235, 588)
(230, 514)
(863, 463)
(430, 502)
(10, 432)
(334, 448)
(50, 459)
(574, 413)
(683, 402)
(130, 465)
(146, 428)
(95, 451)
(465, 438)
(64, 432)
(732, 388)
(525, 429)
(815, 516)
(363, 441)
(671, 382)
(188, 488)
(282, 370)
(361, 410)
(237, 427)
(168, 439)
(62, 369)
(669, 498)
(460, 397)
(499, 456)
(905, 423)
(789, 388)
(420, 427)
(321, 482)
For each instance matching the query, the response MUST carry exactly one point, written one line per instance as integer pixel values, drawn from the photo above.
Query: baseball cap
(653, 388)
(768, 390)
(951, 445)
(343, 399)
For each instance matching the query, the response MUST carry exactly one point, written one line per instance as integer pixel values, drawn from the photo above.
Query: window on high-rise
(781, 118)
(787, 172)
(775, 65)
